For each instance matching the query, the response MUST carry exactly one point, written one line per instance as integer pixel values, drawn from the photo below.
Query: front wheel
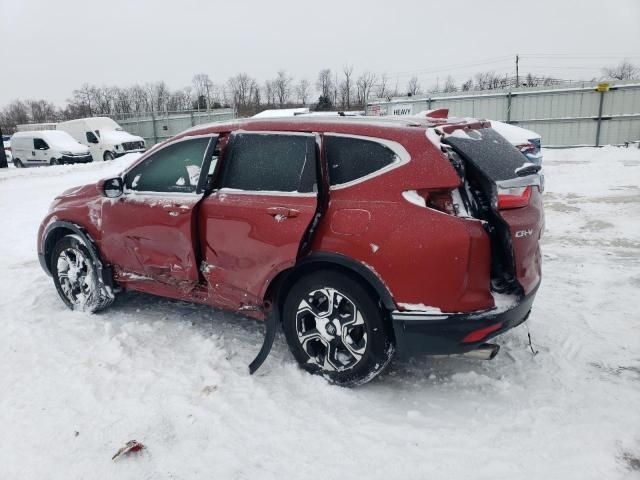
(53, 162)
(334, 327)
(108, 156)
(75, 275)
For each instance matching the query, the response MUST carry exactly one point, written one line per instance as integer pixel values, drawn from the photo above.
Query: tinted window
(40, 144)
(91, 138)
(353, 158)
(263, 162)
(175, 168)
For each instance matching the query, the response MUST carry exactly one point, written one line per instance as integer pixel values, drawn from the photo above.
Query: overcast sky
(50, 47)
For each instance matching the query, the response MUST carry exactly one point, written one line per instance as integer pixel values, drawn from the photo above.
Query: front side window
(353, 158)
(270, 162)
(40, 144)
(175, 168)
(91, 138)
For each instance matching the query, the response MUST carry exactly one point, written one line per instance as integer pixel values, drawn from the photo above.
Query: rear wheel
(108, 156)
(335, 328)
(18, 163)
(75, 276)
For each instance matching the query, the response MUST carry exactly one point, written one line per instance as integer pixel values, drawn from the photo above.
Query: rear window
(488, 151)
(271, 162)
(353, 158)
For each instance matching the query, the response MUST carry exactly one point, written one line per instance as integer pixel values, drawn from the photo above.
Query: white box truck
(104, 137)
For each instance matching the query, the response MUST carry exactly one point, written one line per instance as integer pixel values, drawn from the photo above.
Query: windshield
(489, 151)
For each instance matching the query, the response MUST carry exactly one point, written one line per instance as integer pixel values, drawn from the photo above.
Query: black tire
(91, 295)
(17, 163)
(108, 156)
(53, 162)
(344, 366)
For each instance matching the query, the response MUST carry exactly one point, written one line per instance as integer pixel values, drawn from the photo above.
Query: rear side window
(353, 158)
(270, 162)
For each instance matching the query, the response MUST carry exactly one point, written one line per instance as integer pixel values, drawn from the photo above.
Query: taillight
(513, 197)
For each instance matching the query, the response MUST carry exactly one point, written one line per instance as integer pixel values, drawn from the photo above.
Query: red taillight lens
(481, 333)
(513, 197)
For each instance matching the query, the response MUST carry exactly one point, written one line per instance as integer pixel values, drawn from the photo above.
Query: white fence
(564, 116)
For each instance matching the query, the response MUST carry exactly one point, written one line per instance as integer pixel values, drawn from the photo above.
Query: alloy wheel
(331, 330)
(74, 272)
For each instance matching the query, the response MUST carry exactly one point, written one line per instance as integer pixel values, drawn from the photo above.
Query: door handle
(283, 212)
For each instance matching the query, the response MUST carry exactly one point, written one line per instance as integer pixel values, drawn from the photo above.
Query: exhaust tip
(486, 351)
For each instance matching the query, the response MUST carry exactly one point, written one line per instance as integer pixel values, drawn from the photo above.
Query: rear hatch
(501, 187)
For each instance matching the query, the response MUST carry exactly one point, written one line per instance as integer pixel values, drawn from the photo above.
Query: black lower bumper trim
(442, 334)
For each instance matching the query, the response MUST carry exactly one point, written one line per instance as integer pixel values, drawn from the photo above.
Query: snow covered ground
(75, 387)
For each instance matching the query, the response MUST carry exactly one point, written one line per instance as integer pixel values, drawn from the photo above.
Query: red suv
(361, 236)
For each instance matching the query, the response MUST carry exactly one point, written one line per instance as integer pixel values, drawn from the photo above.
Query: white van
(47, 147)
(104, 137)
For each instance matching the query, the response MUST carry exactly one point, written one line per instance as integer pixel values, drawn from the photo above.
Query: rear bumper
(443, 334)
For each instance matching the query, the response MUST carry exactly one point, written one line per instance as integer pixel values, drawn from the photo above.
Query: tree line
(340, 89)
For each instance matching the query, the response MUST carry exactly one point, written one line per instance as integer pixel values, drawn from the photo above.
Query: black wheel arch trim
(356, 267)
(104, 271)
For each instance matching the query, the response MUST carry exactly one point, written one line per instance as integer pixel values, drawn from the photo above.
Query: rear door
(148, 232)
(253, 222)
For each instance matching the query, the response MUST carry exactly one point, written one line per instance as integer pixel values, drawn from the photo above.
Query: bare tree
(324, 83)
(449, 85)
(413, 87)
(282, 87)
(302, 91)
(623, 71)
(14, 114)
(382, 89)
(242, 88)
(82, 98)
(269, 92)
(42, 111)
(468, 85)
(364, 85)
(346, 87)
(203, 87)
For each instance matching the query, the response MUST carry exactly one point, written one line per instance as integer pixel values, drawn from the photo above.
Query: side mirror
(113, 187)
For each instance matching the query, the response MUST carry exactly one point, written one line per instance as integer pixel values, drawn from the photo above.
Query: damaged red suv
(361, 236)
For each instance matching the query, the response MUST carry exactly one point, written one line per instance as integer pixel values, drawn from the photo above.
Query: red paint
(244, 240)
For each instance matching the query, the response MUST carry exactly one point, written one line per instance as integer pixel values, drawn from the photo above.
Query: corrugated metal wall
(563, 116)
(158, 127)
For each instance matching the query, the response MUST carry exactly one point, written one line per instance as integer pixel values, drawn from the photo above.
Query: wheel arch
(59, 229)
(328, 260)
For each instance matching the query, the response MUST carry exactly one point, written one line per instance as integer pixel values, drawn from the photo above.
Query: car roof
(312, 123)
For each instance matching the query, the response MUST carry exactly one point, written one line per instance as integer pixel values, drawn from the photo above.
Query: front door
(253, 222)
(148, 231)
(38, 156)
(95, 147)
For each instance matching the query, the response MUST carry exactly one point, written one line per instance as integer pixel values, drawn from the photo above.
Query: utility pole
(517, 75)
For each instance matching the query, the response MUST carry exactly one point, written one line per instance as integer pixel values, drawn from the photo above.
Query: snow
(412, 196)
(419, 307)
(174, 376)
(514, 134)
